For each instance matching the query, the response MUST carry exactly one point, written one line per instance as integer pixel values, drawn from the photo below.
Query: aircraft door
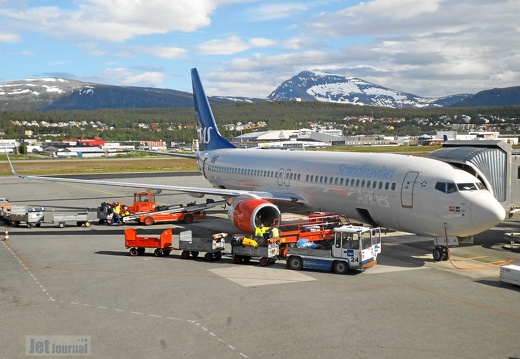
(407, 189)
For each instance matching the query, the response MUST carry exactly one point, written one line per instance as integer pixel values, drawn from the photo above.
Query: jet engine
(247, 214)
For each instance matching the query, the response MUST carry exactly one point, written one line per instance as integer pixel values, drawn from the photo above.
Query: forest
(177, 124)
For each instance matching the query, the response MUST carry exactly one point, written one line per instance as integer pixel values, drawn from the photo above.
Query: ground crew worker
(275, 233)
(117, 214)
(260, 230)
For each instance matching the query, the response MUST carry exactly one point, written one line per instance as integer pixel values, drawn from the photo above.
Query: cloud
(231, 45)
(117, 20)
(125, 77)
(276, 11)
(9, 37)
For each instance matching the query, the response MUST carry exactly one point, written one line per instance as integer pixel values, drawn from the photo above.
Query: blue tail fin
(209, 136)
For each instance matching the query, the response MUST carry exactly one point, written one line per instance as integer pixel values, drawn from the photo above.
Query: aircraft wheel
(140, 251)
(133, 252)
(295, 263)
(445, 255)
(340, 267)
(237, 259)
(185, 255)
(438, 253)
(208, 257)
(148, 221)
(158, 252)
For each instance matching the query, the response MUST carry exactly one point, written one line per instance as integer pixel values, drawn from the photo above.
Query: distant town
(318, 135)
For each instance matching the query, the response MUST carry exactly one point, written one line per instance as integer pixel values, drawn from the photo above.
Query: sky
(248, 47)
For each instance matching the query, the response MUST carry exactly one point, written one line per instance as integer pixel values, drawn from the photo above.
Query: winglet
(209, 136)
(10, 163)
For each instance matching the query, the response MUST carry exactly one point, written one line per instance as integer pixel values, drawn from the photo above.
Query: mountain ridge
(48, 94)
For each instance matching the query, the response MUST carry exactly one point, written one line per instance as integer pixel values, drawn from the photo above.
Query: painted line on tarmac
(27, 267)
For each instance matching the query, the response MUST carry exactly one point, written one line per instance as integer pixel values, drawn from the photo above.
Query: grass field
(53, 166)
(97, 165)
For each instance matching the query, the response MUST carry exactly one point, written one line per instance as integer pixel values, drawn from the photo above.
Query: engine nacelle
(247, 214)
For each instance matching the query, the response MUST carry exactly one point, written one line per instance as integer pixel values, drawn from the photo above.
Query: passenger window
(387, 185)
(363, 183)
(380, 185)
(393, 186)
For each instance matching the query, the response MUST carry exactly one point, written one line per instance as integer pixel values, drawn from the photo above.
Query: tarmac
(80, 285)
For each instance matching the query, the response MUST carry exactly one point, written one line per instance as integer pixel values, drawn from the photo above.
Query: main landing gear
(440, 253)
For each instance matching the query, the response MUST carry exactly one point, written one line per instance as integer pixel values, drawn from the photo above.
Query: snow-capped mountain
(314, 86)
(62, 94)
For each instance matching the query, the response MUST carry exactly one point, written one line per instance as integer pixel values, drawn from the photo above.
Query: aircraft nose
(487, 213)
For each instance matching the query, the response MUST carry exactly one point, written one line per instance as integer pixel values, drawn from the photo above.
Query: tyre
(208, 257)
(148, 221)
(295, 263)
(133, 252)
(237, 259)
(87, 224)
(185, 255)
(264, 261)
(437, 254)
(158, 252)
(340, 267)
(188, 219)
(61, 224)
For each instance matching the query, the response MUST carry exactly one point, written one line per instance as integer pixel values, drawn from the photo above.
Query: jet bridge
(494, 162)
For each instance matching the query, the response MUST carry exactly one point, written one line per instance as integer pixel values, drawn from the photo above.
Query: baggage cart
(31, 216)
(244, 249)
(61, 219)
(168, 241)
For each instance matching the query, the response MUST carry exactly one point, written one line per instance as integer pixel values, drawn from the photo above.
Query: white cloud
(261, 42)
(165, 52)
(123, 76)
(9, 37)
(276, 11)
(116, 20)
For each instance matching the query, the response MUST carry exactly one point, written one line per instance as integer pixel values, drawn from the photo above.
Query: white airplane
(411, 194)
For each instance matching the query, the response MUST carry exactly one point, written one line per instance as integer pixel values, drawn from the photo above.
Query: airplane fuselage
(413, 194)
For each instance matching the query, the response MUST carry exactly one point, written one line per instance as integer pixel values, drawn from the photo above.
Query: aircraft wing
(195, 191)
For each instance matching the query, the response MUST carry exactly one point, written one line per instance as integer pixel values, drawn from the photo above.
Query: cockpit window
(467, 187)
(446, 187)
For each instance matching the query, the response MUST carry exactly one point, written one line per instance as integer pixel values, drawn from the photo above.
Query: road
(81, 282)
